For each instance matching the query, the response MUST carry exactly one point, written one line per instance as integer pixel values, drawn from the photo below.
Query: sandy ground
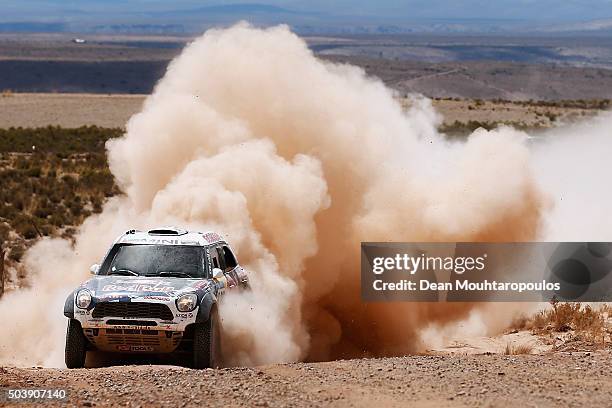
(494, 344)
(67, 110)
(561, 379)
(538, 116)
(74, 110)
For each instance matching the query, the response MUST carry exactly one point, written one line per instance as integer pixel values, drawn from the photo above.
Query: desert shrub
(551, 116)
(4, 232)
(46, 229)
(538, 322)
(75, 206)
(96, 203)
(34, 172)
(587, 319)
(524, 348)
(42, 211)
(97, 179)
(58, 218)
(22, 163)
(55, 196)
(19, 201)
(564, 317)
(8, 212)
(519, 322)
(69, 180)
(16, 253)
(62, 141)
(458, 128)
(69, 233)
(24, 225)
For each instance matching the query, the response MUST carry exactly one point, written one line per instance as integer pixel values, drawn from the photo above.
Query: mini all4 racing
(155, 292)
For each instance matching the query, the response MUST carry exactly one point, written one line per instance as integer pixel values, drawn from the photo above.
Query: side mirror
(94, 269)
(217, 273)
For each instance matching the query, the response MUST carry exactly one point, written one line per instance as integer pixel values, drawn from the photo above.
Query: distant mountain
(254, 12)
(593, 26)
(199, 18)
(246, 8)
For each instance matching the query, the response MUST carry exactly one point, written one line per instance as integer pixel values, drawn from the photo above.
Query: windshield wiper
(124, 272)
(175, 273)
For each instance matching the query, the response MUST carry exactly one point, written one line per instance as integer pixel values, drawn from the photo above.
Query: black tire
(75, 345)
(207, 342)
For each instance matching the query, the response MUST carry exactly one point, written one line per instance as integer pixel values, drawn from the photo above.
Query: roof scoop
(167, 231)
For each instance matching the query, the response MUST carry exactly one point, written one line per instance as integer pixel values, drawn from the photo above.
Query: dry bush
(582, 320)
(524, 348)
(17, 252)
(7, 93)
(538, 322)
(518, 323)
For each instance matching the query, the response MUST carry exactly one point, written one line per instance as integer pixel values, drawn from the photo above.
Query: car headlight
(187, 303)
(83, 299)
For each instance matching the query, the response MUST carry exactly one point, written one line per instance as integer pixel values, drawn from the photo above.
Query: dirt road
(560, 379)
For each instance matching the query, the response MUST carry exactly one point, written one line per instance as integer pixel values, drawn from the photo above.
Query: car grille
(133, 309)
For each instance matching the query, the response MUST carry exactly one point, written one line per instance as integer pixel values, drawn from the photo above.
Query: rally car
(155, 292)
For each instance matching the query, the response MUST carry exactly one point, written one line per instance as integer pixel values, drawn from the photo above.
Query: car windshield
(157, 260)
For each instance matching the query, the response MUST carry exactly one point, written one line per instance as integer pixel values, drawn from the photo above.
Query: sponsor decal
(201, 284)
(211, 237)
(115, 298)
(139, 286)
(184, 315)
(161, 241)
(160, 298)
(124, 347)
(129, 327)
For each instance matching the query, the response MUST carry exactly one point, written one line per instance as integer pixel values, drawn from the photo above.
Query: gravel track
(559, 379)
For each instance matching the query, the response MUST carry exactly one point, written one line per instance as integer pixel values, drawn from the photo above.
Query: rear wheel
(207, 342)
(75, 345)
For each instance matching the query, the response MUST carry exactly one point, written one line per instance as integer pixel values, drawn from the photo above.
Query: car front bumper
(130, 332)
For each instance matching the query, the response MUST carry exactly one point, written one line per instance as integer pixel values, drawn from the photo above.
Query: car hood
(116, 287)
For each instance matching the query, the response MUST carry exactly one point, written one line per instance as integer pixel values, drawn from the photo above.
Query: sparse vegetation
(580, 322)
(53, 139)
(52, 179)
(525, 348)
(459, 129)
(463, 116)
(597, 104)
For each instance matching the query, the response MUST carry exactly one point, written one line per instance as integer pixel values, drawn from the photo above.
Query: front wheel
(207, 342)
(75, 345)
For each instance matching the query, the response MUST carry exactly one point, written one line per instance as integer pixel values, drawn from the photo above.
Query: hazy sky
(532, 10)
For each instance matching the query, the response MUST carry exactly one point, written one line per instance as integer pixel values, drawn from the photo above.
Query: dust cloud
(295, 161)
